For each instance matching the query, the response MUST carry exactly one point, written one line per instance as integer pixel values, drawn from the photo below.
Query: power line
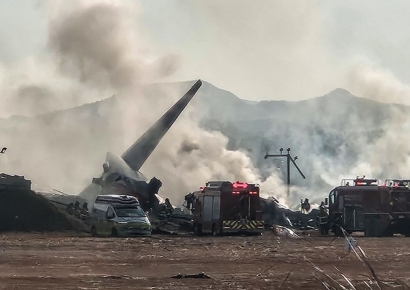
(288, 159)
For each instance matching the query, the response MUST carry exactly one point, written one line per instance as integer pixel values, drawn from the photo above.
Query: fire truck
(365, 205)
(222, 207)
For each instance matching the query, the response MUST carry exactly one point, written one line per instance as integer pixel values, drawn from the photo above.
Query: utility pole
(288, 159)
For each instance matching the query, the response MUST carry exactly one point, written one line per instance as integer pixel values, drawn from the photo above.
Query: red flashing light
(235, 192)
(239, 184)
(202, 188)
(396, 184)
(253, 192)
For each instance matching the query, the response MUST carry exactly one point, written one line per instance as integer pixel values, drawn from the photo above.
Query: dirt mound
(24, 210)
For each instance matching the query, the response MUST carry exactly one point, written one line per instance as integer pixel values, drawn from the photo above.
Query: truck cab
(347, 204)
(118, 215)
(367, 206)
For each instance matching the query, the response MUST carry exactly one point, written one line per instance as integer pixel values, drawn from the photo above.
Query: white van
(118, 215)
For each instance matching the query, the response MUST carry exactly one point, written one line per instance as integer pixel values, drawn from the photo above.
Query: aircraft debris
(284, 232)
(201, 275)
(121, 175)
(273, 213)
(21, 209)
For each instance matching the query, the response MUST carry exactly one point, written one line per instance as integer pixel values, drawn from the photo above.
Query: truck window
(129, 212)
(332, 198)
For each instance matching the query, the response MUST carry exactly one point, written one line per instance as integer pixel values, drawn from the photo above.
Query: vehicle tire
(373, 228)
(214, 231)
(94, 232)
(198, 229)
(389, 233)
(338, 231)
(114, 232)
(369, 233)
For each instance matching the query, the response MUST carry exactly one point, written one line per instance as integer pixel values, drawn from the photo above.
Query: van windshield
(129, 212)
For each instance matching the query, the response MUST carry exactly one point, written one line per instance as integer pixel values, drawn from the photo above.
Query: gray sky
(257, 49)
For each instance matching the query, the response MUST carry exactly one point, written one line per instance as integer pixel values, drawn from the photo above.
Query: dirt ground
(66, 261)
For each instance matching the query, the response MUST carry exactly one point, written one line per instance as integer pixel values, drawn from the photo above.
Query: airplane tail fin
(139, 152)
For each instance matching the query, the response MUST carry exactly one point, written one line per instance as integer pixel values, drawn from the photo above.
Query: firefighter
(70, 208)
(306, 205)
(77, 210)
(162, 215)
(169, 209)
(84, 210)
(322, 220)
(189, 198)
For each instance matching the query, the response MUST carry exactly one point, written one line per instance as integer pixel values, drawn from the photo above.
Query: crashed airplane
(121, 174)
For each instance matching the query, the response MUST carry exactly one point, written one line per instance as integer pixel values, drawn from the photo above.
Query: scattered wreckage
(357, 205)
(217, 208)
(14, 182)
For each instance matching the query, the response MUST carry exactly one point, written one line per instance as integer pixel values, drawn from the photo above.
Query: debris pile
(201, 275)
(283, 232)
(14, 182)
(21, 209)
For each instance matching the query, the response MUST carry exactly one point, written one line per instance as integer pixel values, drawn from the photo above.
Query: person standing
(322, 219)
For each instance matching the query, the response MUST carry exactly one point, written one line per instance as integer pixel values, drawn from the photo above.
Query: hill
(333, 135)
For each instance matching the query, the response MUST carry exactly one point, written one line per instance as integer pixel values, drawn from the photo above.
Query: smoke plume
(95, 51)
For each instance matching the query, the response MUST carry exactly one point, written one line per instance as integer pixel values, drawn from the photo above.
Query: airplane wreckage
(121, 176)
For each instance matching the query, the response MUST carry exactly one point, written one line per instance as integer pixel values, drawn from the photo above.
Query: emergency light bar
(239, 184)
(360, 182)
(396, 182)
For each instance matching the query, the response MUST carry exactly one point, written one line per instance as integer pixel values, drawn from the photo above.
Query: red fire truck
(365, 205)
(224, 207)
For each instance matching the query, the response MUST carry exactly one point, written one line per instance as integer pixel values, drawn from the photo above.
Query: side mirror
(110, 217)
(326, 201)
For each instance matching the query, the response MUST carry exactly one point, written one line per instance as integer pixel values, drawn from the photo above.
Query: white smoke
(370, 81)
(96, 51)
(389, 155)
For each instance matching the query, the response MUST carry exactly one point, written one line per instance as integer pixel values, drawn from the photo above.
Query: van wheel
(94, 232)
(114, 232)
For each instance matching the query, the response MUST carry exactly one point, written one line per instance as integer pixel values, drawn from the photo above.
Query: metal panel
(207, 214)
(341, 202)
(353, 217)
(216, 208)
